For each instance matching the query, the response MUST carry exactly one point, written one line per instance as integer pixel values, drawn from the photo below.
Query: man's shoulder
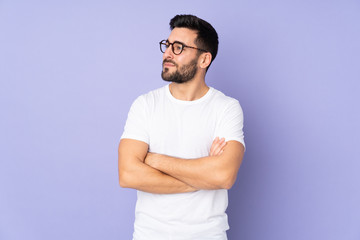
(155, 92)
(222, 99)
(152, 95)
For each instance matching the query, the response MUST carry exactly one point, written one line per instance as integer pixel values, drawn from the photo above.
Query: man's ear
(205, 60)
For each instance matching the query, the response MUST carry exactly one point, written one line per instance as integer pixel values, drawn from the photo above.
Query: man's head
(192, 45)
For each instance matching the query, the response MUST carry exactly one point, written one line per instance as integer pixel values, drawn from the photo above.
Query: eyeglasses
(176, 47)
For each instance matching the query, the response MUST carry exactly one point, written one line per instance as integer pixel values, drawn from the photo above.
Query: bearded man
(183, 144)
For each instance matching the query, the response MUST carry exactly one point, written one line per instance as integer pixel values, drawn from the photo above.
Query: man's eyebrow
(176, 41)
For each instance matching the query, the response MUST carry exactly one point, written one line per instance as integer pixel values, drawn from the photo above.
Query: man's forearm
(148, 179)
(134, 173)
(191, 171)
(213, 172)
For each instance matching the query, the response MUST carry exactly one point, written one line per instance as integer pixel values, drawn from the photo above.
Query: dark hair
(207, 37)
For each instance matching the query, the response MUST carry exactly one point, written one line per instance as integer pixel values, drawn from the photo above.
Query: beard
(182, 74)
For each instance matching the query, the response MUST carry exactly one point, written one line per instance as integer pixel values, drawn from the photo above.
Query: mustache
(169, 61)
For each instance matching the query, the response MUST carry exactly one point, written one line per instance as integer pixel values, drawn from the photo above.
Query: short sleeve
(232, 122)
(136, 126)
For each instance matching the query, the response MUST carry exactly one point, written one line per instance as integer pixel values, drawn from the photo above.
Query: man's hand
(217, 146)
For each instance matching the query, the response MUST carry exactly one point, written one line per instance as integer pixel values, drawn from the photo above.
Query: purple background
(69, 71)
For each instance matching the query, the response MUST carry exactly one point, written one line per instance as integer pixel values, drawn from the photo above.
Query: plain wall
(69, 71)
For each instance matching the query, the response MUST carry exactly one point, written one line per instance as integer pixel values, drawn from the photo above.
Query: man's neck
(189, 91)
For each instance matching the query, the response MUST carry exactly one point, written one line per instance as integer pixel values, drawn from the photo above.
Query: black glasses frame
(167, 44)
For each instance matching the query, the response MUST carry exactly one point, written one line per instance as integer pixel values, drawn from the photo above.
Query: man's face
(183, 67)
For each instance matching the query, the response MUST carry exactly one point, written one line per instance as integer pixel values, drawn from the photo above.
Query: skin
(156, 173)
(196, 88)
(213, 172)
(135, 173)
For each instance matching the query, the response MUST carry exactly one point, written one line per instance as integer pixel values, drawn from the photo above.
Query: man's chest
(182, 131)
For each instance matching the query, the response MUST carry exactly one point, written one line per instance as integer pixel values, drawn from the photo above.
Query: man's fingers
(213, 145)
(217, 146)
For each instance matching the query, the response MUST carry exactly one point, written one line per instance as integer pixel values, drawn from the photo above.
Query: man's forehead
(183, 35)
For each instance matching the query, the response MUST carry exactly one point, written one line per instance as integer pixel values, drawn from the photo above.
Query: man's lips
(168, 64)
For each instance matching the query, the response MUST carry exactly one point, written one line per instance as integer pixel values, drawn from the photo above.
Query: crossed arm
(156, 173)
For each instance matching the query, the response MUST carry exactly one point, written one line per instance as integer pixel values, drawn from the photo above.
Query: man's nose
(168, 54)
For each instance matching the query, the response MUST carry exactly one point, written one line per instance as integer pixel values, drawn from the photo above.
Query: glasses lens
(177, 47)
(163, 46)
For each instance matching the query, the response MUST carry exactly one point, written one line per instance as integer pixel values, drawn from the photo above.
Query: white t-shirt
(184, 129)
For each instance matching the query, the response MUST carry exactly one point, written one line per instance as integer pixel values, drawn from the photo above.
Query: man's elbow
(227, 184)
(122, 183)
(124, 180)
(226, 181)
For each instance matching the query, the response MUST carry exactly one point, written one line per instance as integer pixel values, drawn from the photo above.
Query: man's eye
(178, 47)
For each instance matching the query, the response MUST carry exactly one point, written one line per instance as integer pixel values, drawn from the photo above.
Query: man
(183, 143)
